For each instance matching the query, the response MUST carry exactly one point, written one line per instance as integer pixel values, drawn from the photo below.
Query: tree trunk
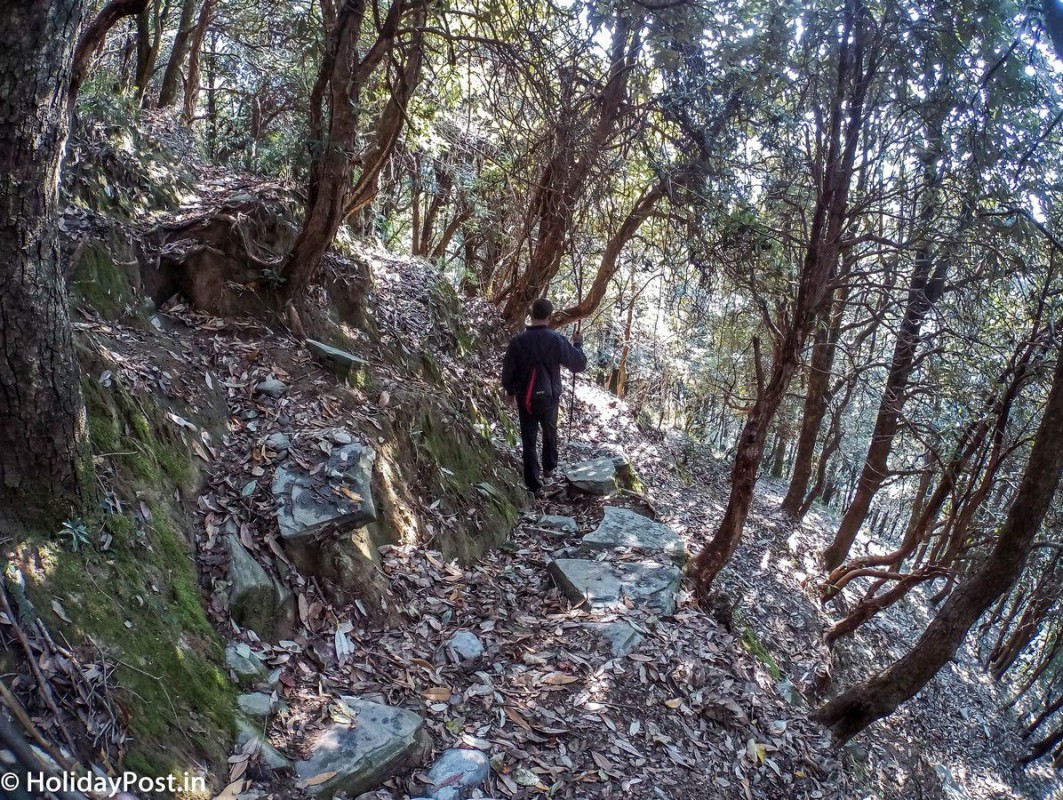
(863, 704)
(926, 288)
(96, 32)
(341, 78)
(816, 401)
(42, 418)
(821, 256)
(149, 39)
(171, 77)
(194, 53)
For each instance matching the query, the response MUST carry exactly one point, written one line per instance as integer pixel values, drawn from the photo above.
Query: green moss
(101, 283)
(755, 647)
(139, 600)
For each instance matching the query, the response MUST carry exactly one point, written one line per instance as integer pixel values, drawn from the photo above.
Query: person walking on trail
(531, 378)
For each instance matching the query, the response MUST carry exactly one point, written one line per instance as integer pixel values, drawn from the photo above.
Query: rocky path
(571, 662)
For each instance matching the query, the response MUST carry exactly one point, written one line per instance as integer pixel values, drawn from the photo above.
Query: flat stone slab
(339, 361)
(593, 477)
(558, 523)
(621, 637)
(602, 585)
(382, 742)
(621, 528)
(339, 496)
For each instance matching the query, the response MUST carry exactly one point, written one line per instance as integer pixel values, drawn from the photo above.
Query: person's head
(541, 310)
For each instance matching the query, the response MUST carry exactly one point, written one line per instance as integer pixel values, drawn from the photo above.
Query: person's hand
(577, 338)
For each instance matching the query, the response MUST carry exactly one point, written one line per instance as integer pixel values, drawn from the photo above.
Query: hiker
(531, 378)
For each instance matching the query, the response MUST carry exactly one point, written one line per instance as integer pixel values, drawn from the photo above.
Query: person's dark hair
(542, 309)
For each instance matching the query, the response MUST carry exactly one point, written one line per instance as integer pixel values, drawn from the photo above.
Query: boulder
(456, 772)
(605, 586)
(251, 593)
(621, 528)
(593, 477)
(339, 362)
(383, 742)
(621, 638)
(338, 497)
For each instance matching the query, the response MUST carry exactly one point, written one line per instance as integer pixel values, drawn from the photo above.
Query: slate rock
(558, 523)
(308, 505)
(604, 586)
(621, 637)
(271, 388)
(621, 528)
(593, 477)
(256, 705)
(339, 362)
(251, 595)
(244, 664)
(465, 645)
(278, 441)
(457, 771)
(247, 731)
(949, 787)
(383, 742)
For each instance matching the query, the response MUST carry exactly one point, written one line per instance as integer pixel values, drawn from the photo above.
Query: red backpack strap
(528, 392)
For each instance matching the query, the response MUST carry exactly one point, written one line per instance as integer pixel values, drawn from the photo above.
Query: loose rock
(601, 585)
(458, 770)
(271, 388)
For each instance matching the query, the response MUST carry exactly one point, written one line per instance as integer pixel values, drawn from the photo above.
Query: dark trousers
(529, 435)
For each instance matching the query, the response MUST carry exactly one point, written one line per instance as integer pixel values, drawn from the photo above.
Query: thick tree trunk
(171, 77)
(824, 244)
(863, 704)
(42, 419)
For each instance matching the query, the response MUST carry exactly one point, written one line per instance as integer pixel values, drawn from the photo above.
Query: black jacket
(538, 344)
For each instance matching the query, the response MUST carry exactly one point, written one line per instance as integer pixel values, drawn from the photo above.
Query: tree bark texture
(856, 68)
(42, 425)
(194, 54)
(879, 696)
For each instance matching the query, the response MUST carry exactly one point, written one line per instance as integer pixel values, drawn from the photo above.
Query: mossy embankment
(127, 590)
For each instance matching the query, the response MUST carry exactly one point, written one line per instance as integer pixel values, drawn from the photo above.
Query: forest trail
(695, 705)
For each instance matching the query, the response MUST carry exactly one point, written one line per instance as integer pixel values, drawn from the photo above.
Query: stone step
(621, 528)
(381, 742)
(605, 586)
(593, 477)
